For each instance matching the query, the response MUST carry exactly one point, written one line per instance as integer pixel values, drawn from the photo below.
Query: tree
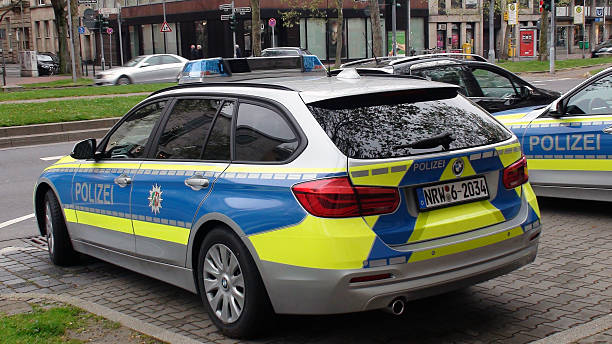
(376, 30)
(255, 27)
(339, 40)
(61, 29)
(543, 43)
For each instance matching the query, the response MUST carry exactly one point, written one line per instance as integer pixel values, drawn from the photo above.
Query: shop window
(316, 37)
(356, 38)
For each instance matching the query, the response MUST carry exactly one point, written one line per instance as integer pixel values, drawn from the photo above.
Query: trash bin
(467, 48)
(583, 43)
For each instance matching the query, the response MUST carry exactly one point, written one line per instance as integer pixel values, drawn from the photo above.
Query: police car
(569, 143)
(298, 195)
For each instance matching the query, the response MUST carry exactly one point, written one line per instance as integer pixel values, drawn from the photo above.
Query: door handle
(197, 182)
(608, 130)
(123, 180)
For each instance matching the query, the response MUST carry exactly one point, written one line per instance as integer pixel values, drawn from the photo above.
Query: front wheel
(124, 80)
(58, 241)
(230, 286)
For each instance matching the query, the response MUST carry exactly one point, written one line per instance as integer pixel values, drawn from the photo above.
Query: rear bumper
(295, 290)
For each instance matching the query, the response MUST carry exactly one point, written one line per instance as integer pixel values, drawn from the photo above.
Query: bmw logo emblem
(458, 167)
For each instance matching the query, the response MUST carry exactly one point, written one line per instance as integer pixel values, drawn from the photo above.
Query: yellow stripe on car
(319, 243)
(448, 174)
(512, 116)
(531, 198)
(160, 231)
(385, 174)
(508, 154)
(114, 223)
(453, 220)
(464, 246)
(70, 215)
(570, 165)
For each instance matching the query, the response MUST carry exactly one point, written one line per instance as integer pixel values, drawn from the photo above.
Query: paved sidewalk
(569, 284)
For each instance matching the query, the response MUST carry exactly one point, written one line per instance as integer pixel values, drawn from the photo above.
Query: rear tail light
(516, 174)
(336, 197)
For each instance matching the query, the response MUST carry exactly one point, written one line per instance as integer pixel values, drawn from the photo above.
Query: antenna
(371, 45)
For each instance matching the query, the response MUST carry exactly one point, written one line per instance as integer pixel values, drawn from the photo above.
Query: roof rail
(249, 67)
(449, 55)
(222, 84)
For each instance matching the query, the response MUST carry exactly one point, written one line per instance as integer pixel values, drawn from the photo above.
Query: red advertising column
(527, 43)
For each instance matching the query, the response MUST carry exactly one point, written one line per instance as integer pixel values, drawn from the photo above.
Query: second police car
(569, 143)
(299, 195)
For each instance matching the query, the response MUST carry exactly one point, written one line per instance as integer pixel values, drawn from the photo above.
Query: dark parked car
(284, 51)
(603, 49)
(47, 65)
(492, 87)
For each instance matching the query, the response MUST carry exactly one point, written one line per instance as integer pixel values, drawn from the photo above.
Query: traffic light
(233, 22)
(541, 6)
(547, 5)
(103, 23)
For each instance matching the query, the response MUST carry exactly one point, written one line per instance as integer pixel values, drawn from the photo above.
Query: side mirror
(144, 64)
(85, 149)
(557, 108)
(526, 92)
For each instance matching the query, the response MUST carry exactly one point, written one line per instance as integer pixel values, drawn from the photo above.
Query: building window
(456, 4)
(455, 36)
(471, 3)
(356, 38)
(41, 2)
(524, 4)
(441, 6)
(316, 37)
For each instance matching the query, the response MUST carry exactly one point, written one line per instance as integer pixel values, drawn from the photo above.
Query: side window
(449, 75)
(155, 60)
(218, 145)
(263, 135)
(169, 59)
(595, 99)
(494, 85)
(185, 132)
(129, 140)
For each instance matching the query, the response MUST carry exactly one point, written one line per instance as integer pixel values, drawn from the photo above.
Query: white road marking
(49, 158)
(536, 81)
(17, 220)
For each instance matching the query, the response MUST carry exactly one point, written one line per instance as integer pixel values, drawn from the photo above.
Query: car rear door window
(494, 85)
(262, 134)
(185, 131)
(218, 145)
(128, 141)
(454, 75)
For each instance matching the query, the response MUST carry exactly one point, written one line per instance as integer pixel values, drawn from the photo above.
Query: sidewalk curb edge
(576, 333)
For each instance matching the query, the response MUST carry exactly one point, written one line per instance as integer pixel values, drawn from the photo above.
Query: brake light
(336, 197)
(516, 174)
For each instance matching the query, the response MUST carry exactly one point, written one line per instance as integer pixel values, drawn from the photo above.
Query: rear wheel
(58, 241)
(124, 80)
(230, 286)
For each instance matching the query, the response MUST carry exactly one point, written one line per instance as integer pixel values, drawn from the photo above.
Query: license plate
(463, 191)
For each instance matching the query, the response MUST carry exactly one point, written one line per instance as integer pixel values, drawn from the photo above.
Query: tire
(58, 241)
(245, 319)
(123, 80)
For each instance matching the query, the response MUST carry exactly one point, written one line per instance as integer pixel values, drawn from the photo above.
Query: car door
(498, 91)
(102, 188)
(573, 149)
(148, 70)
(170, 187)
(170, 68)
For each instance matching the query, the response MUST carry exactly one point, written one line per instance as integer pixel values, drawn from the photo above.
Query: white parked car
(143, 69)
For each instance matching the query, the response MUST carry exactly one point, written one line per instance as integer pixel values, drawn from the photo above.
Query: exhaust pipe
(397, 306)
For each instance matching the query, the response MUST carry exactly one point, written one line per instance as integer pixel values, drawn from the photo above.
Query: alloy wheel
(224, 283)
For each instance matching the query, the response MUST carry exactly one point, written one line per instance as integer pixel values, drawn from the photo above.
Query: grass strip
(59, 83)
(41, 326)
(65, 110)
(82, 91)
(543, 66)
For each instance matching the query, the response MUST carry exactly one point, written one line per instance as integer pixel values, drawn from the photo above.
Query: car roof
(317, 88)
(284, 48)
(403, 60)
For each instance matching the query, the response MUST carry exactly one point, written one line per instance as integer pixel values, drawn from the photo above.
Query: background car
(47, 65)
(284, 51)
(143, 69)
(603, 49)
(569, 143)
(490, 86)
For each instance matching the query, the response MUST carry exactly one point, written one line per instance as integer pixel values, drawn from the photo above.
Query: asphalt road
(20, 168)
(549, 82)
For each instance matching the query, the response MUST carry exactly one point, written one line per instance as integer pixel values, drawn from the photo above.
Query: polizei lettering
(571, 142)
(93, 193)
(429, 165)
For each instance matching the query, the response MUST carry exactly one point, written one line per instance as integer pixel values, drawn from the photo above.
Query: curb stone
(125, 320)
(576, 333)
(563, 69)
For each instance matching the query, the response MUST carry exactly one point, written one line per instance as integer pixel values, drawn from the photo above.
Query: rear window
(380, 126)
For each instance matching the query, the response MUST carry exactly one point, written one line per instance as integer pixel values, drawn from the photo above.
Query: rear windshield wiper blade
(443, 140)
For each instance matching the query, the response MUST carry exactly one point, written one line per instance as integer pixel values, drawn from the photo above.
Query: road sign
(512, 14)
(165, 27)
(226, 16)
(109, 30)
(108, 10)
(90, 23)
(272, 22)
(599, 11)
(87, 2)
(242, 10)
(225, 7)
(81, 30)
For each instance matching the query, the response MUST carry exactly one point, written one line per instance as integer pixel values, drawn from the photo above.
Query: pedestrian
(193, 53)
(238, 51)
(200, 53)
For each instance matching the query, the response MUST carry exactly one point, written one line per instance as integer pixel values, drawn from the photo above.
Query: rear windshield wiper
(443, 140)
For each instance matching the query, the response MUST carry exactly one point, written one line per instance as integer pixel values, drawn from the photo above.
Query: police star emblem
(155, 198)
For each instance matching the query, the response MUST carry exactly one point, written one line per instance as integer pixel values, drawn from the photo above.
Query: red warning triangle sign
(165, 27)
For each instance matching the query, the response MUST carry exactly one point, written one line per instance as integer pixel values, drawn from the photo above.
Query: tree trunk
(255, 28)
(376, 32)
(543, 46)
(339, 39)
(61, 29)
(76, 37)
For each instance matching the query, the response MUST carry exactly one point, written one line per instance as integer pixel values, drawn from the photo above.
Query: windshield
(133, 62)
(44, 58)
(390, 130)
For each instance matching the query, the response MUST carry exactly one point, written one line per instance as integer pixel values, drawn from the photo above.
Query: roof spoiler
(249, 67)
